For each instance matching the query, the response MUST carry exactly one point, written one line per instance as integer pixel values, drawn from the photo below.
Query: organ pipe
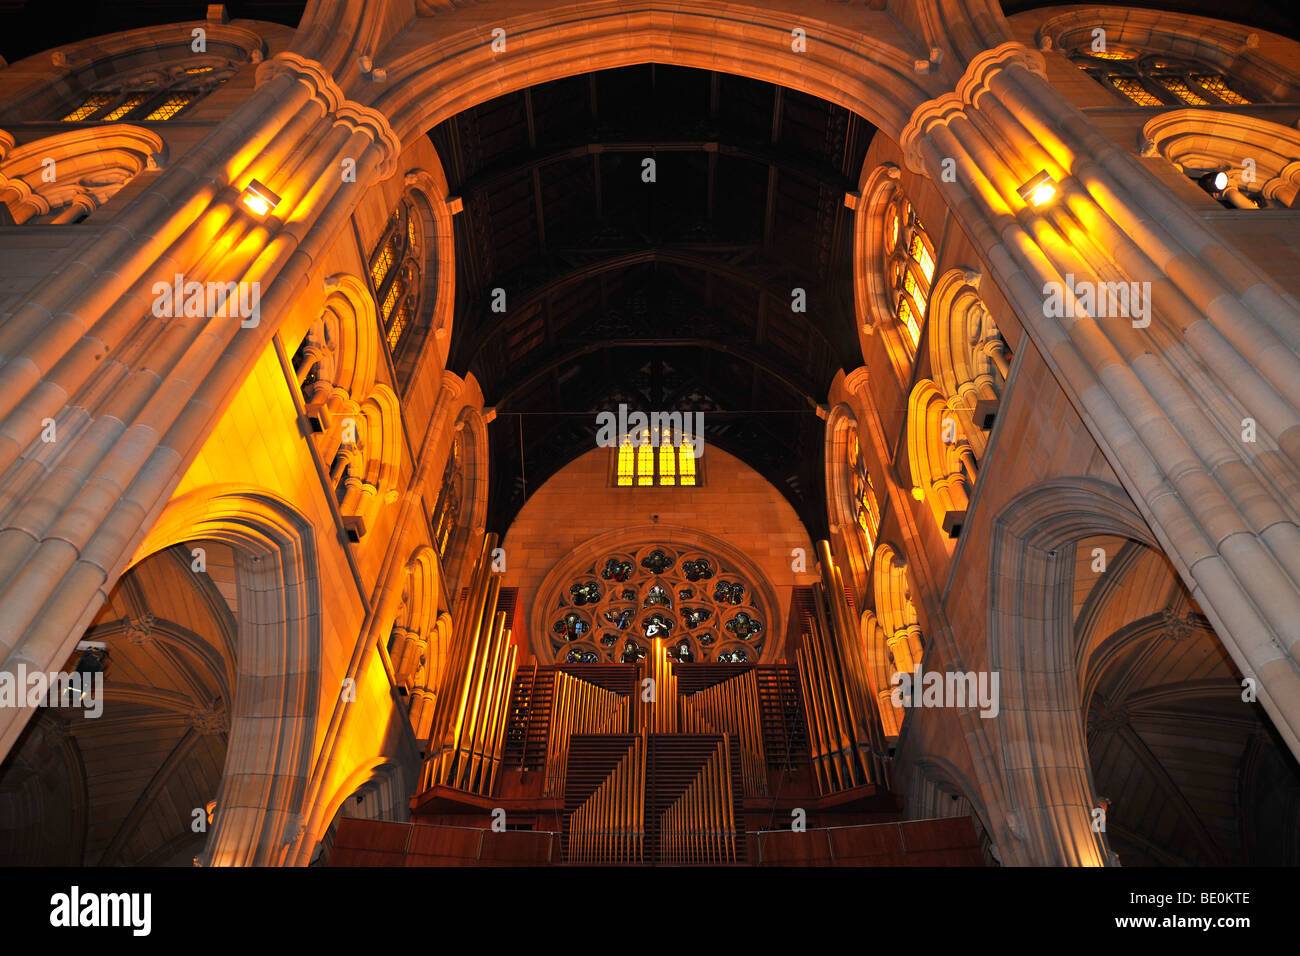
(844, 730)
(470, 709)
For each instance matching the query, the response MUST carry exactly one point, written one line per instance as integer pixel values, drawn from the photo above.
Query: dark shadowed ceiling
(671, 295)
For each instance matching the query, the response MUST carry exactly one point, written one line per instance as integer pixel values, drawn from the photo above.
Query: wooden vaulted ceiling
(122, 789)
(672, 295)
(1195, 775)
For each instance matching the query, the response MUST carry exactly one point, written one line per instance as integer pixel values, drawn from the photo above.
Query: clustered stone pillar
(133, 394)
(1170, 402)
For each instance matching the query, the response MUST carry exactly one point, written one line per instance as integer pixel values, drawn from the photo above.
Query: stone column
(133, 394)
(1167, 395)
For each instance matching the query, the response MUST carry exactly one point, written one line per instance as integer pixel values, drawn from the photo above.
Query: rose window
(700, 607)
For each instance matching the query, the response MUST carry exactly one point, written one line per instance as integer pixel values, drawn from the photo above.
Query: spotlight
(1214, 182)
(93, 660)
(258, 199)
(1039, 190)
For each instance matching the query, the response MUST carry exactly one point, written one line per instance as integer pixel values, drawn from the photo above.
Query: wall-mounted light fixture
(258, 199)
(1039, 190)
(1213, 182)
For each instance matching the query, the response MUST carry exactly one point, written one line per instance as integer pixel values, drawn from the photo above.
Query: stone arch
(937, 788)
(968, 357)
(278, 663)
(872, 289)
(1040, 734)
(941, 461)
(880, 671)
(471, 475)
(854, 544)
(438, 302)
(895, 611)
(417, 643)
(869, 71)
(380, 440)
(338, 360)
(90, 165)
(1198, 141)
(357, 420)
(377, 789)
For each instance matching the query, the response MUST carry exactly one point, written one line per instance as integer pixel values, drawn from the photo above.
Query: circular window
(612, 610)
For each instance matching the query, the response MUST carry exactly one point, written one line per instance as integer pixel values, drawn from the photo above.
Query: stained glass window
(908, 319)
(1217, 86)
(909, 268)
(126, 106)
(396, 271)
(1157, 80)
(863, 492)
(686, 464)
(640, 464)
(171, 106)
(1179, 88)
(626, 462)
(446, 514)
(91, 105)
(156, 92)
(1133, 89)
(718, 622)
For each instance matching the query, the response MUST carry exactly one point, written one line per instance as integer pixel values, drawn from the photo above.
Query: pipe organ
(658, 761)
(845, 735)
(464, 750)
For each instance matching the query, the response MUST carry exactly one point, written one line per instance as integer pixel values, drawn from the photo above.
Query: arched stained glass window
(446, 514)
(155, 94)
(611, 612)
(396, 273)
(865, 505)
(1156, 79)
(640, 464)
(909, 268)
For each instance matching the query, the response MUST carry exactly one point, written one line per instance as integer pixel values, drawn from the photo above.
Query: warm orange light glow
(1039, 190)
(258, 199)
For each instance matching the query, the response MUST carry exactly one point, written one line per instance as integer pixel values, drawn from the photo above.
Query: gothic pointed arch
(278, 659)
(1050, 793)
(869, 71)
(880, 670)
(852, 502)
(969, 359)
(416, 643)
(380, 441)
(376, 790)
(429, 189)
(940, 459)
(1260, 158)
(458, 520)
(894, 262)
(357, 420)
(65, 177)
(896, 610)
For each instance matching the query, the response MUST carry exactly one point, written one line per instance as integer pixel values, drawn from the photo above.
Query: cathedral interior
(546, 432)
